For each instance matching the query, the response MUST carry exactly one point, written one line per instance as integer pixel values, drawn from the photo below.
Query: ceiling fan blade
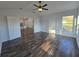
(44, 8)
(35, 5)
(40, 2)
(44, 5)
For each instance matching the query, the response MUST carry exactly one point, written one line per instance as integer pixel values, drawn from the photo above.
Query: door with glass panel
(67, 25)
(77, 37)
(78, 25)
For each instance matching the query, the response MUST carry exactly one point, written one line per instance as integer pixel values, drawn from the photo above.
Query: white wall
(36, 24)
(54, 21)
(14, 27)
(4, 34)
(4, 29)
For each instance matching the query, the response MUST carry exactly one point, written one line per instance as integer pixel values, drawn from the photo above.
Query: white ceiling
(53, 6)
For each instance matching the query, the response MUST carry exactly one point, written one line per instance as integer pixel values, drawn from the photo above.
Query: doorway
(26, 26)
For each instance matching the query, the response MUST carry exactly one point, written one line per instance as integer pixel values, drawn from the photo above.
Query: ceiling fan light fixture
(40, 9)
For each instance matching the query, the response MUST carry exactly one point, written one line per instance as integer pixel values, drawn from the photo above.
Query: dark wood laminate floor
(41, 46)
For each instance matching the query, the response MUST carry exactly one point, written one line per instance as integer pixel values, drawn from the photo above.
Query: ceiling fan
(40, 7)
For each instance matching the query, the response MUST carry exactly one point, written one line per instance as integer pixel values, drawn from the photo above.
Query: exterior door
(67, 25)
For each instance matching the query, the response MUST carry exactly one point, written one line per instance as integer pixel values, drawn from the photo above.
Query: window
(67, 23)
